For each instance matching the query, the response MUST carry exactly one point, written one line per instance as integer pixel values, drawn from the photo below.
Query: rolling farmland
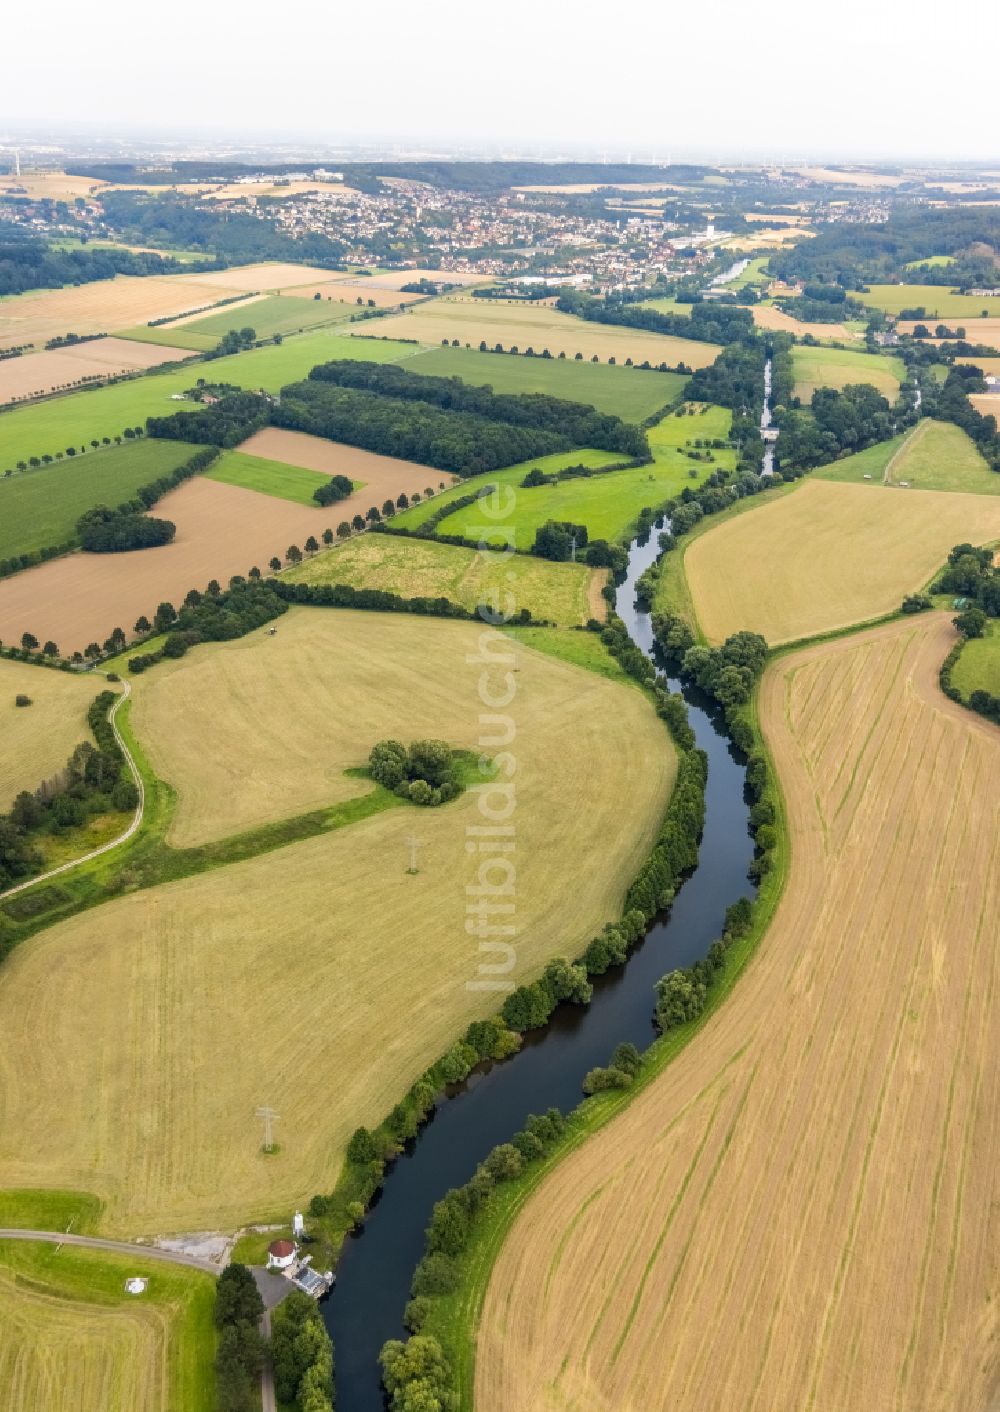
(74, 419)
(825, 556)
(276, 976)
(222, 529)
(810, 1184)
(473, 320)
(38, 739)
(566, 594)
(271, 314)
(938, 300)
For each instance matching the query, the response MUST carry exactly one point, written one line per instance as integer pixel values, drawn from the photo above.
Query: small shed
(280, 1254)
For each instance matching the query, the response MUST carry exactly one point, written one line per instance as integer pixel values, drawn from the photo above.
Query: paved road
(119, 1247)
(115, 842)
(267, 1398)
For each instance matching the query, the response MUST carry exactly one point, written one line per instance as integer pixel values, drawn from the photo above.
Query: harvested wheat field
(274, 977)
(395, 279)
(800, 1210)
(984, 331)
(39, 739)
(987, 403)
(827, 555)
(72, 1339)
(766, 316)
(102, 306)
(38, 373)
(221, 530)
(266, 278)
(350, 291)
(474, 320)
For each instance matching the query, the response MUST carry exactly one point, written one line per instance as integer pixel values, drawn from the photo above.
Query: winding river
(365, 1306)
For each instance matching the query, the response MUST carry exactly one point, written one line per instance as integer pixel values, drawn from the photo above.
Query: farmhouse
(280, 1254)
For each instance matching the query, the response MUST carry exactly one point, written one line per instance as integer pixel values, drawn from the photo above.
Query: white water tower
(298, 1226)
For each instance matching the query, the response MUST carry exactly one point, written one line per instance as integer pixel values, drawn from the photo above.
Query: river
(768, 436)
(366, 1304)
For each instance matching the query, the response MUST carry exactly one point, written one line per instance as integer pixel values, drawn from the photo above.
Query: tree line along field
(629, 393)
(72, 1339)
(824, 556)
(607, 504)
(798, 1211)
(288, 975)
(932, 456)
(40, 506)
(769, 317)
(837, 367)
(39, 739)
(564, 594)
(939, 301)
(473, 320)
(222, 529)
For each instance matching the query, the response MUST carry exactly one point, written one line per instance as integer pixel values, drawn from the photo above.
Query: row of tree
(94, 780)
(301, 1352)
(710, 321)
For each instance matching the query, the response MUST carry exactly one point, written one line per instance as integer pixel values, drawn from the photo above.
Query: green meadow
(936, 299)
(933, 456)
(630, 393)
(607, 504)
(268, 477)
(978, 665)
(40, 507)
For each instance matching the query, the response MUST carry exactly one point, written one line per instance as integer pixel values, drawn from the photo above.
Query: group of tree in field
(104, 531)
(339, 487)
(95, 780)
(225, 423)
(971, 575)
(424, 773)
(300, 1351)
(837, 422)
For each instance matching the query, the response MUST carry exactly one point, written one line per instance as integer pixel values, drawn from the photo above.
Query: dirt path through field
(800, 1211)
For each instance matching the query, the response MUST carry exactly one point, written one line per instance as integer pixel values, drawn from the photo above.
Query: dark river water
(366, 1305)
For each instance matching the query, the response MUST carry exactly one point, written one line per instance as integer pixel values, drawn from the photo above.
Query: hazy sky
(785, 78)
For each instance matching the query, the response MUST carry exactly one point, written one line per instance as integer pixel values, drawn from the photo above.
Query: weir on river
(366, 1305)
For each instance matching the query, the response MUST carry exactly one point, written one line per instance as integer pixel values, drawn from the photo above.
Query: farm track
(115, 842)
(115, 1247)
(810, 1187)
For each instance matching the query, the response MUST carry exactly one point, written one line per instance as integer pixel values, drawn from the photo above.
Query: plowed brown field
(38, 373)
(800, 1211)
(221, 530)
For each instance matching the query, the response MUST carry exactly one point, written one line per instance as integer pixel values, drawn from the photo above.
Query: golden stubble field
(827, 555)
(800, 1211)
(137, 1039)
(38, 373)
(221, 530)
(37, 740)
(472, 320)
(766, 316)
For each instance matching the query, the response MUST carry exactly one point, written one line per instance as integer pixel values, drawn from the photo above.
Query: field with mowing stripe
(55, 369)
(629, 393)
(48, 427)
(837, 367)
(289, 975)
(72, 1340)
(268, 477)
(521, 325)
(566, 594)
(39, 739)
(40, 506)
(277, 313)
(826, 555)
(933, 456)
(937, 299)
(798, 1211)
